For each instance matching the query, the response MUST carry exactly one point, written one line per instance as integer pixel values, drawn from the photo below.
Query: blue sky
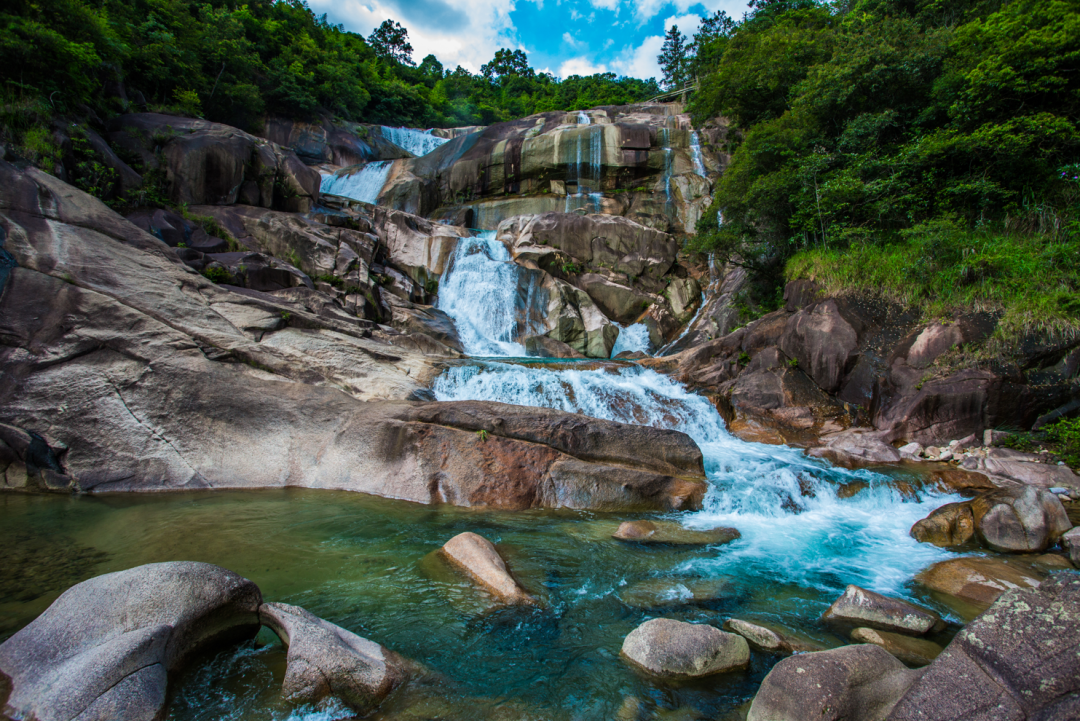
(564, 37)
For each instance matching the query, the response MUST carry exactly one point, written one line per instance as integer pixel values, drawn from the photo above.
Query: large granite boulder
(977, 581)
(106, 647)
(101, 323)
(860, 607)
(1018, 660)
(673, 649)
(672, 533)
(861, 682)
(1018, 520)
(824, 338)
(210, 163)
(325, 660)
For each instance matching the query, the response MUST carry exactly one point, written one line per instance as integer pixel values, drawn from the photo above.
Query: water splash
(795, 527)
(492, 300)
(632, 338)
(417, 142)
(583, 118)
(364, 185)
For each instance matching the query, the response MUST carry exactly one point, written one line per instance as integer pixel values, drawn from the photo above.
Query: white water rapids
(363, 185)
(795, 527)
(417, 142)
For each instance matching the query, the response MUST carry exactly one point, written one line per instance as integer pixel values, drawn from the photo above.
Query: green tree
(506, 63)
(674, 59)
(391, 42)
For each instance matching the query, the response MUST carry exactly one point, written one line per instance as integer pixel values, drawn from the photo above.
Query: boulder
(677, 650)
(852, 448)
(1024, 520)
(769, 639)
(977, 581)
(824, 337)
(326, 660)
(1071, 543)
(670, 532)
(860, 607)
(958, 480)
(950, 525)
(106, 647)
(861, 682)
(912, 651)
(476, 556)
(540, 346)
(1018, 660)
(1027, 468)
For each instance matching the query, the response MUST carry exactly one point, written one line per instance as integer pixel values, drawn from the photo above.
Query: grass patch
(1031, 279)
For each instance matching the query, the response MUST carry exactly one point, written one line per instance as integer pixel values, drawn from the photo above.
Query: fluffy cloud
(580, 66)
(647, 9)
(458, 32)
(640, 61)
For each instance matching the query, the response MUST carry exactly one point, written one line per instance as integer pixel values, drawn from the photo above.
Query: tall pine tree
(674, 59)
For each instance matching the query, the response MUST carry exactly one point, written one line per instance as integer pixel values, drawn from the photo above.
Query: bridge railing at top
(673, 93)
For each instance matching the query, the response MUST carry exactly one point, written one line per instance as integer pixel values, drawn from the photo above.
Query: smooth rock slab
(975, 580)
(326, 660)
(669, 532)
(768, 639)
(1020, 521)
(478, 558)
(105, 648)
(865, 608)
(850, 683)
(912, 651)
(674, 649)
(947, 526)
(1018, 660)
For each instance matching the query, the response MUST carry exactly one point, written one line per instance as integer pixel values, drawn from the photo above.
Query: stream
(366, 563)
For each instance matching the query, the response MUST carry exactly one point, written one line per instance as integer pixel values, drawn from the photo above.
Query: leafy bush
(217, 274)
(1066, 434)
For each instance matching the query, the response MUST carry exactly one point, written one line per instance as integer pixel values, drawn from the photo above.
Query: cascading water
(632, 338)
(590, 145)
(695, 154)
(363, 185)
(417, 142)
(484, 292)
(669, 162)
(795, 527)
(583, 118)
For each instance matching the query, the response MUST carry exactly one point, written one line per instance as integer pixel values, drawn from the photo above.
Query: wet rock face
(325, 660)
(671, 533)
(851, 682)
(860, 607)
(1024, 520)
(1018, 660)
(977, 581)
(105, 648)
(911, 651)
(209, 163)
(674, 649)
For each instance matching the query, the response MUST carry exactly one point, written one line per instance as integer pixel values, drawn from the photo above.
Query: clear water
(417, 142)
(632, 338)
(695, 154)
(583, 118)
(586, 170)
(363, 185)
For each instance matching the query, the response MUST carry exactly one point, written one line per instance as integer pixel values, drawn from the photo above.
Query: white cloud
(606, 4)
(457, 32)
(580, 66)
(647, 9)
(688, 24)
(572, 41)
(640, 62)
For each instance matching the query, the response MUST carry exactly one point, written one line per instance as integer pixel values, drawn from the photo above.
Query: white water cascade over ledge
(796, 529)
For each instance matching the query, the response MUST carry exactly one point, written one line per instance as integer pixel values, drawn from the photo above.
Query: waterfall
(417, 142)
(795, 526)
(364, 185)
(583, 118)
(483, 291)
(632, 338)
(588, 145)
(669, 161)
(695, 154)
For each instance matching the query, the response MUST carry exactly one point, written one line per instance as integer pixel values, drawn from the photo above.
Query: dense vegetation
(236, 62)
(922, 149)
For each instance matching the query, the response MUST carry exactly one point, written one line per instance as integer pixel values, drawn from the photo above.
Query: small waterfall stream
(586, 170)
(363, 185)
(417, 142)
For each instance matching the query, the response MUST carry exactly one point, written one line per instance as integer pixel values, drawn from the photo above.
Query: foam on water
(632, 338)
(417, 142)
(695, 154)
(364, 185)
(795, 528)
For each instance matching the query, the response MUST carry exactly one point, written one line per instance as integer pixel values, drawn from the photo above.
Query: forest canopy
(236, 63)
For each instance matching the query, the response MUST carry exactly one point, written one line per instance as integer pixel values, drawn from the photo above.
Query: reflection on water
(366, 563)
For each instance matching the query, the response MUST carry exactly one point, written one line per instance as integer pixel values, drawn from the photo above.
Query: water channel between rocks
(366, 563)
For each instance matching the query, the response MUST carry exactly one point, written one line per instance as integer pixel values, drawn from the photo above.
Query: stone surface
(912, 651)
(1018, 660)
(674, 649)
(1071, 542)
(852, 449)
(478, 558)
(665, 592)
(540, 346)
(772, 640)
(106, 647)
(1027, 468)
(670, 532)
(861, 682)
(977, 581)
(950, 525)
(326, 660)
(1024, 521)
(860, 607)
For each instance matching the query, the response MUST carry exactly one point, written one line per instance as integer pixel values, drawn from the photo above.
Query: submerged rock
(326, 660)
(861, 682)
(912, 651)
(674, 649)
(476, 556)
(663, 592)
(860, 607)
(106, 647)
(1018, 660)
(769, 639)
(670, 532)
(977, 581)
